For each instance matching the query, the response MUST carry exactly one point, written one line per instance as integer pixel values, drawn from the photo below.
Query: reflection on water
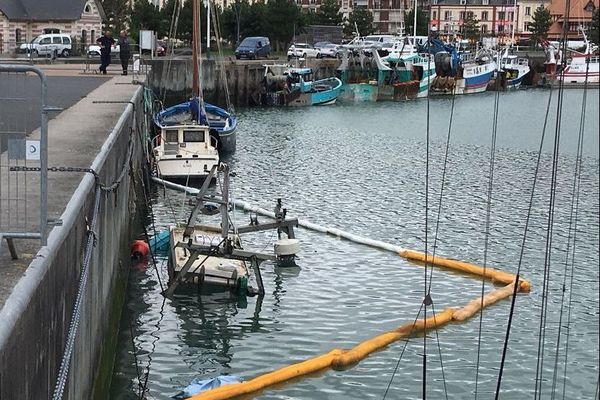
(361, 168)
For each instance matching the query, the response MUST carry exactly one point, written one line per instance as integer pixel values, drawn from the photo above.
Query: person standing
(124, 51)
(106, 42)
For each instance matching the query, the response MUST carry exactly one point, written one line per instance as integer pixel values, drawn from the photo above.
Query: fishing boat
(284, 85)
(583, 67)
(461, 74)
(513, 68)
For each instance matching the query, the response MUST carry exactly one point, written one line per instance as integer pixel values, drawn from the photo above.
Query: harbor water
(361, 168)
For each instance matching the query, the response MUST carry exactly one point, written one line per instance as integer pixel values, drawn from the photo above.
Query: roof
(55, 10)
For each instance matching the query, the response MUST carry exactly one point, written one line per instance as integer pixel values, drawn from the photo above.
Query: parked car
(94, 50)
(329, 50)
(48, 44)
(254, 47)
(302, 50)
(318, 45)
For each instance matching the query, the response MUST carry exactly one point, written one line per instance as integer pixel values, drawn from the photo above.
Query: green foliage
(117, 14)
(328, 14)
(144, 16)
(422, 22)
(241, 19)
(470, 27)
(363, 19)
(540, 24)
(594, 30)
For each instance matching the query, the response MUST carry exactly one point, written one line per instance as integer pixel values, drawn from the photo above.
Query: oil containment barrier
(340, 358)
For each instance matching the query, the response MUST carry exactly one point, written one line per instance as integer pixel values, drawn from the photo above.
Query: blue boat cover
(160, 242)
(198, 386)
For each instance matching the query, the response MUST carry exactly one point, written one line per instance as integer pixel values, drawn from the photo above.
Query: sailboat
(222, 123)
(186, 147)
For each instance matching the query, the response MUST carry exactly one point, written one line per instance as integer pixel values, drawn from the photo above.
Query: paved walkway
(75, 137)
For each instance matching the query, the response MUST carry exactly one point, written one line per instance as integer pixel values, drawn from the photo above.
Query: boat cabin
(185, 151)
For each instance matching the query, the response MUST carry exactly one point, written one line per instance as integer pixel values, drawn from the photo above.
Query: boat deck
(210, 270)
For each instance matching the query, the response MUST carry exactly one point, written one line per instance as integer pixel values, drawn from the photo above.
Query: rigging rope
(577, 180)
(488, 213)
(522, 251)
(539, 373)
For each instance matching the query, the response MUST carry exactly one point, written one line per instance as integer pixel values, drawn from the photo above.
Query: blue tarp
(198, 386)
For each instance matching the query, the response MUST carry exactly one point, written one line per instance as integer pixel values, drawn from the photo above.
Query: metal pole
(207, 28)
(225, 203)
(44, 160)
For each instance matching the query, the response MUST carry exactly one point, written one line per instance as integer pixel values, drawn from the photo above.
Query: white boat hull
(183, 168)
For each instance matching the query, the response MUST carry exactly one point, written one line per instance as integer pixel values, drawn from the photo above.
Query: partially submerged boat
(211, 256)
(284, 85)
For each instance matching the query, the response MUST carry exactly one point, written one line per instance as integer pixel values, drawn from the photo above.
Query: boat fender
(242, 286)
(139, 250)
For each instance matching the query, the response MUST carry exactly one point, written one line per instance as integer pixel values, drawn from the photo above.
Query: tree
(241, 19)
(282, 19)
(594, 31)
(422, 22)
(144, 16)
(540, 24)
(471, 27)
(363, 19)
(117, 14)
(328, 13)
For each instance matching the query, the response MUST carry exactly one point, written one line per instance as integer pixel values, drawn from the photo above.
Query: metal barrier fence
(23, 160)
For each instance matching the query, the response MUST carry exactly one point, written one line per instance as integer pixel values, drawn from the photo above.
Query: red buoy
(139, 249)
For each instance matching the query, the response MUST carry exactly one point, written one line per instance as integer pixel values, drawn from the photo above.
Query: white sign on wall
(32, 149)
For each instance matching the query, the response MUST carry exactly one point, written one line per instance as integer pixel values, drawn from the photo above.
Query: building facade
(496, 17)
(526, 10)
(22, 20)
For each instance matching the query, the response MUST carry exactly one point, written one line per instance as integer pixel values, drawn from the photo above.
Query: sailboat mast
(195, 40)
(415, 25)
(208, 28)
(512, 33)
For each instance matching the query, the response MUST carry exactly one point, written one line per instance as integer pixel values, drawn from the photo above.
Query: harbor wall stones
(36, 318)
(244, 77)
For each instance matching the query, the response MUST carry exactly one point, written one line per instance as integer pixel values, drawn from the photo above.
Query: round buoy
(139, 250)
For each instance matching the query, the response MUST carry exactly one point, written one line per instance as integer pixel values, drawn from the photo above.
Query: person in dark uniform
(105, 42)
(124, 51)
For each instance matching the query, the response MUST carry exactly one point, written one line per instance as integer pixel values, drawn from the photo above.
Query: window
(511, 16)
(66, 40)
(446, 28)
(484, 16)
(45, 41)
(18, 37)
(93, 36)
(500, 28)
(84, 36)
(434, 14)
(470, 14)
(485, 2)
(484, 28)
(88, 8)
(51, 30)
(447, 15)
(461, 15)
(376, 5)
(56, 40)
(501, 15)
(463, 2)
(526, 26)
(193, 136)
(528, 11)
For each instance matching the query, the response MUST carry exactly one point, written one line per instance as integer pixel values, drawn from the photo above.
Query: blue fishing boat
(222, 123)
(288, 86)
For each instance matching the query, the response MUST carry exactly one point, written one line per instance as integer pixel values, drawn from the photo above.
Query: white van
(52, 43)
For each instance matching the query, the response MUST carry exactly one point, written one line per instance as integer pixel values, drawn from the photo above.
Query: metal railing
(23, 160)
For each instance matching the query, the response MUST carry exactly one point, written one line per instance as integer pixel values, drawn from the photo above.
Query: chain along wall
(38, 315)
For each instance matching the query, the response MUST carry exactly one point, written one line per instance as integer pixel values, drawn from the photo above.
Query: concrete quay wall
(244, 77)
(34, 321)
